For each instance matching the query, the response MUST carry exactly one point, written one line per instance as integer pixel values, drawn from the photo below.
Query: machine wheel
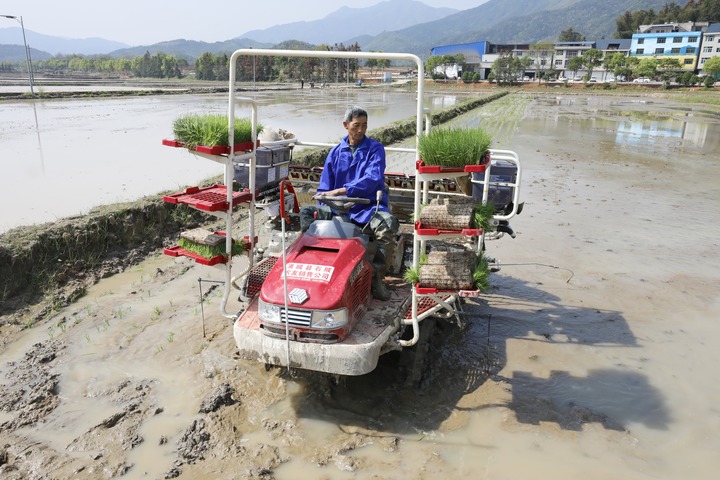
(413, 358)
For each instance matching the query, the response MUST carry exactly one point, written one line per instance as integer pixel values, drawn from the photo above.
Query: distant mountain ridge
(348, 22)
(497, 21)
(58, 45)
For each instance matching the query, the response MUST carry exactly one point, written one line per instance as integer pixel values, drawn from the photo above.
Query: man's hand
(338, 192)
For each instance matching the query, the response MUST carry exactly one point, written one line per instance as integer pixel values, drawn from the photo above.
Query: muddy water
(592, 356)
(63, 157)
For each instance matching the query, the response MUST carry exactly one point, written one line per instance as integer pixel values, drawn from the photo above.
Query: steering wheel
(341, 203)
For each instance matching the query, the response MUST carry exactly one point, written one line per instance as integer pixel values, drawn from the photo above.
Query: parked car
(641, 80)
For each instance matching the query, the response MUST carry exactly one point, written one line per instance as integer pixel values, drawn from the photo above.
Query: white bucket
(272, 209)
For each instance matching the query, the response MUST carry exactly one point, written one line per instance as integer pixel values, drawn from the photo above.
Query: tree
(613, 61)
(575, 64)
(442, 62)
(372, 64)
(542, 54)
(592, 59)
(647, 67)
(508, 68)
(625, 70)
(668, 64)
(712, 67)
(570, 35)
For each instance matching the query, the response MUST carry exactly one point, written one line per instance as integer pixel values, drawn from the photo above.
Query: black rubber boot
(378, 288)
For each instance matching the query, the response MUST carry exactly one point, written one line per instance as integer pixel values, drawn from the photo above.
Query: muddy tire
(412, 359)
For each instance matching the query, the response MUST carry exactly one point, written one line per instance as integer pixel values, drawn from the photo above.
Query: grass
(501, 118)
(211, 130)
(208, 251)
(481, 274)
(454, 147)
(482, 216)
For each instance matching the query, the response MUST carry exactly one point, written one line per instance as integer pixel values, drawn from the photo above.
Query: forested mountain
(513, 21)
(189, 49)
(497, 21)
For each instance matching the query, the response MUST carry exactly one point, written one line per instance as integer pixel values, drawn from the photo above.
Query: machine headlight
(329, 319)
(269, 312)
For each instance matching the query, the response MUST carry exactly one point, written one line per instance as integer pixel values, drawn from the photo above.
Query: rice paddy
(500, 118)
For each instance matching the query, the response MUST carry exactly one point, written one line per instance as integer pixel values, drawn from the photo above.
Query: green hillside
(513, 21)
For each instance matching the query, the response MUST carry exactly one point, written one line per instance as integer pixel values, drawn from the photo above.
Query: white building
(710, 46)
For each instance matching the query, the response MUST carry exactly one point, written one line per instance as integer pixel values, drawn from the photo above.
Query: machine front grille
(300, 318)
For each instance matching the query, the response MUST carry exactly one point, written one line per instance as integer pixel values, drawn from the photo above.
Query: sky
(144, 22)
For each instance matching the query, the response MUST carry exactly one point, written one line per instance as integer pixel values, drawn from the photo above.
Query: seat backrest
(337, 228)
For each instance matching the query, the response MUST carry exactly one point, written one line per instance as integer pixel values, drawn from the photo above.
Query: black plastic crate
(499, 195)
(271, 166)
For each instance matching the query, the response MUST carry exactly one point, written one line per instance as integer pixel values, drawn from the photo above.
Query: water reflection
(673, 132)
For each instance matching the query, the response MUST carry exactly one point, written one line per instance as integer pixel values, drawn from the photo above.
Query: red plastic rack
(215, 150)
(424, 304)
(422, 168)
(178, 251)
(437, 291)
(469, 232)
(209, 199)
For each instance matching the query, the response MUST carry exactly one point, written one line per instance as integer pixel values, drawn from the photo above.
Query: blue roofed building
(472, 52)
(680, 41)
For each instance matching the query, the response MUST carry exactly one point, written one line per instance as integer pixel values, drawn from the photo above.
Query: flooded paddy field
(592, 355)
(63, 157)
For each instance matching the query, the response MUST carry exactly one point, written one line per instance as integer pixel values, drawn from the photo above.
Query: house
(710, 45)
(564, 51)
(680, 41)
(691, 43)
(472, 52)
(479, 56)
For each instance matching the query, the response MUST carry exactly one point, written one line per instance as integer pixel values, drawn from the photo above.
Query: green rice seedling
(482, 216)
(481, 274)
(412, 275)
(454, 147)
(211, 130)
(209, 251)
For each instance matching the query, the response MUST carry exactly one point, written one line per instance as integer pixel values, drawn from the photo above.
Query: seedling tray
(214, 150)
(475, 168)
(469, 232)
(178, 251)
(208, 199)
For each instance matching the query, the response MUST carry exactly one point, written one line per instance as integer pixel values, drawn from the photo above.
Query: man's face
(356, 129)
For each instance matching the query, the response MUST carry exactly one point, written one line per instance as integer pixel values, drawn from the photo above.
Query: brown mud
(134, 377)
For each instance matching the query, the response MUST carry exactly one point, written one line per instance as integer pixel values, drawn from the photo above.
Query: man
(356, 168)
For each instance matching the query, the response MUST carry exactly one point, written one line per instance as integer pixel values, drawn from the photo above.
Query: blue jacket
(362, 175)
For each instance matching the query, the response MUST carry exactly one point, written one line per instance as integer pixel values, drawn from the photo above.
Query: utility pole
(27, 51)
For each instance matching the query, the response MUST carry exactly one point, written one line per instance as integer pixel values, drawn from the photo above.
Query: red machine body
(327, 279)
